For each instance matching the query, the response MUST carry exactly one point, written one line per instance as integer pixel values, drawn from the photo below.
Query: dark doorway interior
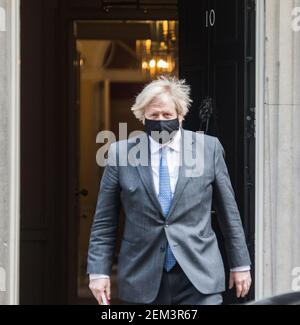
(54, 205)
(113, 63)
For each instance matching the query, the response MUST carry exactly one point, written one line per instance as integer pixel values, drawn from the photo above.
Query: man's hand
(242, 282)
(100, 287)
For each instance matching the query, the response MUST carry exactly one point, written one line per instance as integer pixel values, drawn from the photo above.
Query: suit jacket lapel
(145, 173)
(182, 178)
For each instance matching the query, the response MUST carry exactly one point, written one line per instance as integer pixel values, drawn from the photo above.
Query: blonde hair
(177, 91)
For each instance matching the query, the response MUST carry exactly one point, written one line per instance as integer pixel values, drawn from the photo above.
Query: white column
(260, 150)
(9, 151)
(278, 219)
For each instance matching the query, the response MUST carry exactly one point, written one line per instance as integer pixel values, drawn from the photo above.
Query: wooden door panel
(213, 60)
(193, 33)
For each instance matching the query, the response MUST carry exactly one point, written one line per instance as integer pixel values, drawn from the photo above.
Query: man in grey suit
(169, 252)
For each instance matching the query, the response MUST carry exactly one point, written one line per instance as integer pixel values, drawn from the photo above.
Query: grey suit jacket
(187, 227)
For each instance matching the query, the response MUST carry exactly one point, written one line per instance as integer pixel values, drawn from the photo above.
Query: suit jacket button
(162, 249)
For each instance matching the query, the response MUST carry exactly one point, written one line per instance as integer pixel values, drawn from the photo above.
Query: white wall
(278, 176)
(9, 151)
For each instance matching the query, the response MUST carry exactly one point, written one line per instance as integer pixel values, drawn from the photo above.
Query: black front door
(217, 40)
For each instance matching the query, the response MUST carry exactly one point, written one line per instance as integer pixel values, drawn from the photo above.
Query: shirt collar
(174, 144)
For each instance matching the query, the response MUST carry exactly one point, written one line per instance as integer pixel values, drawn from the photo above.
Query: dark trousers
(176, 289)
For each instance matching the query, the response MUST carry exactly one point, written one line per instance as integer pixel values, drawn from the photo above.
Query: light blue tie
(165, 199)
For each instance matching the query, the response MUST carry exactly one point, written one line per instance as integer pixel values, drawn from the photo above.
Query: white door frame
(12, 28)
(259, 151)
(14, 230)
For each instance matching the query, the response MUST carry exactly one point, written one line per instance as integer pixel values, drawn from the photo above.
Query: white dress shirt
(173, 159)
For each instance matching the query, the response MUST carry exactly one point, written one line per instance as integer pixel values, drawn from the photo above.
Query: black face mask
(162, 131)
